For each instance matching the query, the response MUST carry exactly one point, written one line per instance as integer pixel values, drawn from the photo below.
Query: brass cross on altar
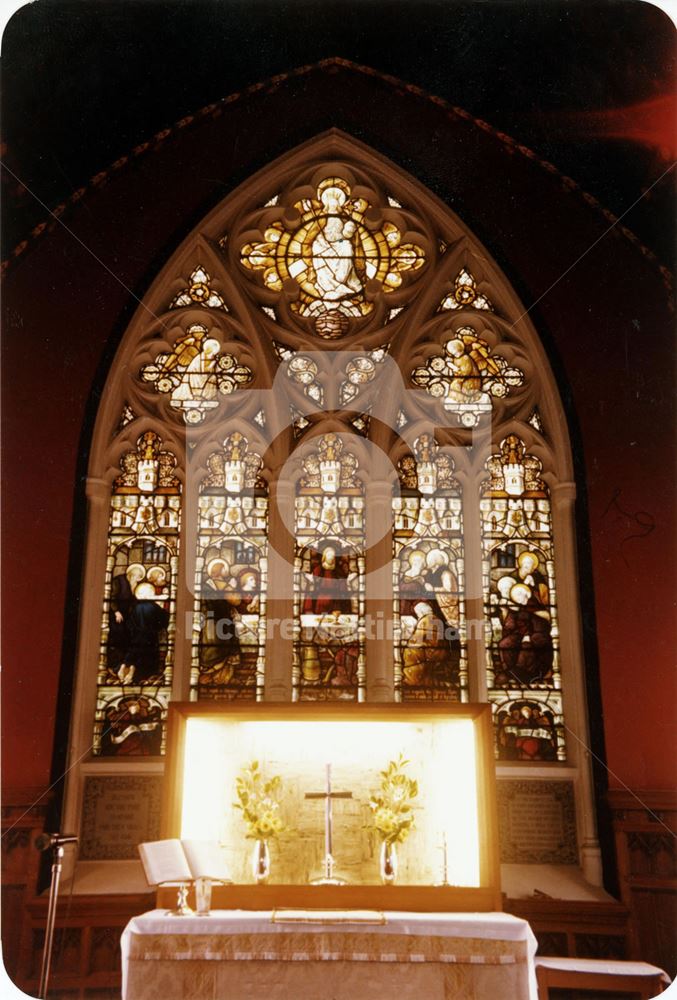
(328, 877)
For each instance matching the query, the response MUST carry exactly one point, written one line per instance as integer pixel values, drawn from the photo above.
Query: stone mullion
(379, 591)
(474, 590)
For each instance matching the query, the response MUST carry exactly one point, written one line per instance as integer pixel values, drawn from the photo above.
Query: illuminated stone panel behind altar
(442, 752)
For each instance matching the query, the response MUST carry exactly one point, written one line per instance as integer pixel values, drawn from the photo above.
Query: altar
(237, 955)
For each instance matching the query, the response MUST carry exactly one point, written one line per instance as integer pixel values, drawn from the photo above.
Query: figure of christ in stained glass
(329, 646)
(331, 252)
(329, 575)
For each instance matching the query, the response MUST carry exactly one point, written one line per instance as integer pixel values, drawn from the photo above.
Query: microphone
(46, 840)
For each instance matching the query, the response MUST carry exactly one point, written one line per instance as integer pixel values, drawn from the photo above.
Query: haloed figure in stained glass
(229, 593)
(138, 619)
(330, 648)
(333, 250)
(428, 590)
(327, 584)
(525, 648)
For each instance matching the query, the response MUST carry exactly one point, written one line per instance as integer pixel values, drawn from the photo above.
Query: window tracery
(335, 256)
(200, 292)
(332, 250)
(195, 373)
(467, 376)
(465, 294)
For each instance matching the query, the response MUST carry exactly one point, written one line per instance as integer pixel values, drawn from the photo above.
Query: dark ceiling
(589, 86)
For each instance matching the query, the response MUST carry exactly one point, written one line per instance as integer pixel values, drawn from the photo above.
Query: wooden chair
(638, 978)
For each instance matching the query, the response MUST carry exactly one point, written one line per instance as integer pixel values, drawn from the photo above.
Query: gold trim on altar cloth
(293, 916)
(324, 946)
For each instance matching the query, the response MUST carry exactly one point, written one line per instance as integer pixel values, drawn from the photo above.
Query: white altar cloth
(238, 954)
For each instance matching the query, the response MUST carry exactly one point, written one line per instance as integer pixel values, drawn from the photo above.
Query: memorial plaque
(537, 822)
(118, 814)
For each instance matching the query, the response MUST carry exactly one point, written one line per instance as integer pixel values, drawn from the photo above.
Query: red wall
(606, 325)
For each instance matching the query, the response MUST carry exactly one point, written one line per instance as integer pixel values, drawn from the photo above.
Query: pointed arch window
(328, 308)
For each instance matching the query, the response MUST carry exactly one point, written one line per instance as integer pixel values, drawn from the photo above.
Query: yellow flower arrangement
(392, 807)
(258, 800)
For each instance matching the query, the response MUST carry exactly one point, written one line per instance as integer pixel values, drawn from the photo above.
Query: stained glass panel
(329, 577)
(195, 374)
(199, 292)
(360, 370)
(428, 579)
(331, 253)
(521, 624)
(139, 612)
(229, 626)
(466, 376)
(465, 294)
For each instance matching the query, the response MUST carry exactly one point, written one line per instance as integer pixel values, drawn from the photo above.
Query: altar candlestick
(445, 866)
(328, 816)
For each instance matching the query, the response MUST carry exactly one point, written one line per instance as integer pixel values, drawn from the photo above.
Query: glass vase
(388, 862)
(261, 861)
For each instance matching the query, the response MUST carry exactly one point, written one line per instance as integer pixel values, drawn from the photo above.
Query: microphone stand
(57, 859)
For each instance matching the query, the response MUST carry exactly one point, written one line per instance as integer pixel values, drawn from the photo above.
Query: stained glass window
(466, 376)
(331, 253)
(360, 370)
(329, 594)
(428, 578)
(522, 629)
(195, 374)
(465, 294)
(199, 291)
(229, 626)
(139, 612)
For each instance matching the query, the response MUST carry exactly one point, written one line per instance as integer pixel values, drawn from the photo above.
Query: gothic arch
(223, 322)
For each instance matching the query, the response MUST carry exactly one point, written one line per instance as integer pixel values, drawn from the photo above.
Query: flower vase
(261, 861)
(388, 862)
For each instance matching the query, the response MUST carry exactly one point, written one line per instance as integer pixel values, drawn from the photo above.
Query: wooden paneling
(645, 826)
(86, 954)
(575, 929)
(23, 815)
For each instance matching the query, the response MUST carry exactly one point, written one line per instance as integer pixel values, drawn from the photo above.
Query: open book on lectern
(183, 861)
